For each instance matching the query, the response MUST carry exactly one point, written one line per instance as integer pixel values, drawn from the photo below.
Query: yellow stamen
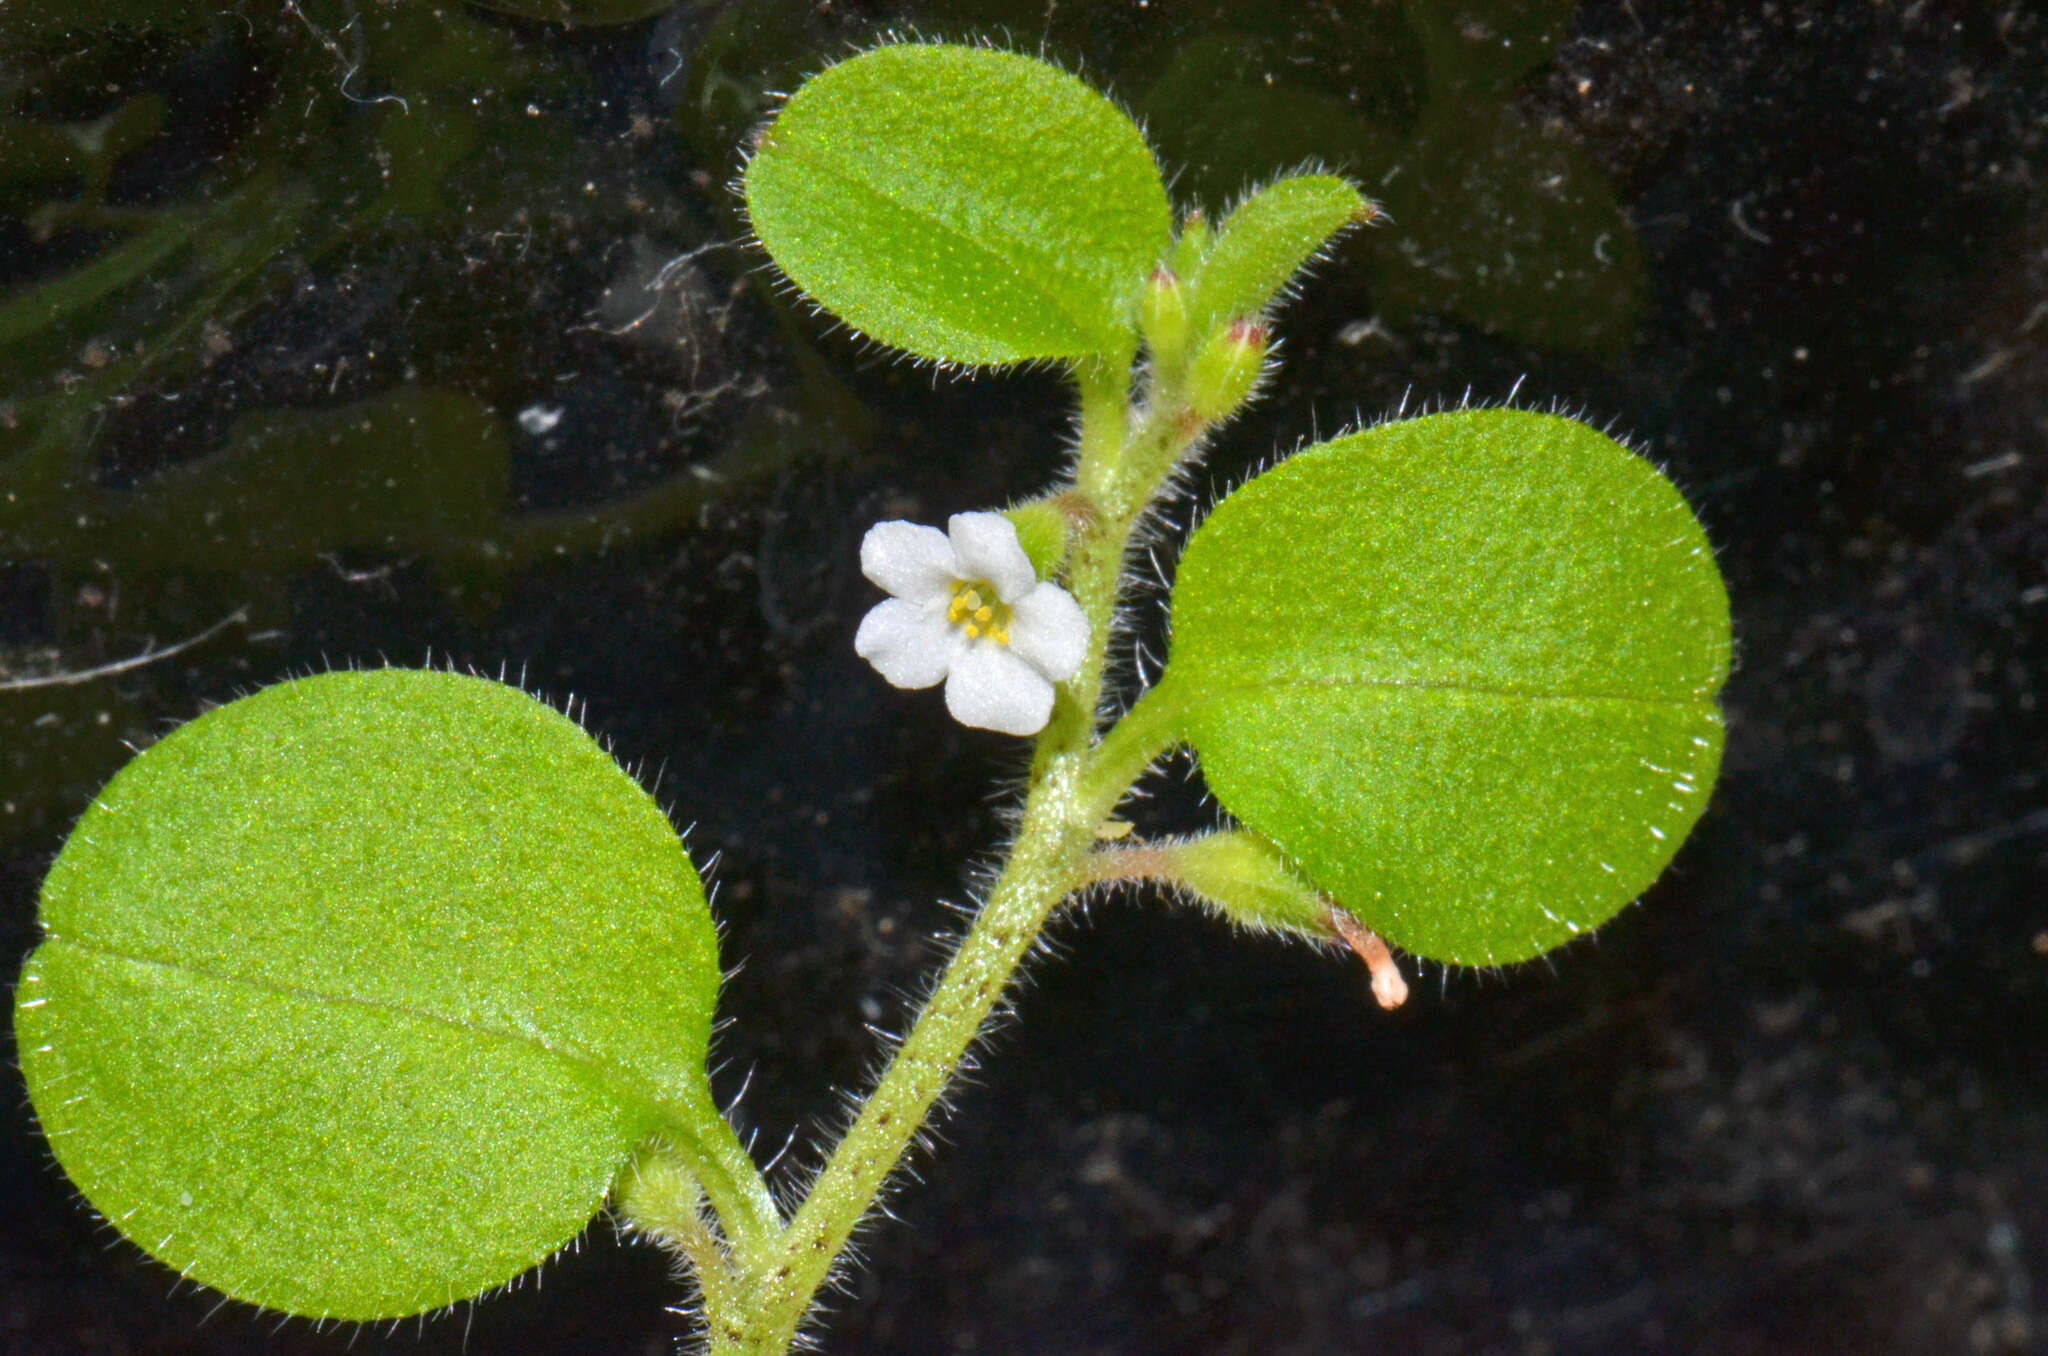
(969, 611)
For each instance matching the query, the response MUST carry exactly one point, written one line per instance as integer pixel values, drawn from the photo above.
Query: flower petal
(909, 560)
(987, 547)
(992, 689)
(910, 644)
(1049, 632)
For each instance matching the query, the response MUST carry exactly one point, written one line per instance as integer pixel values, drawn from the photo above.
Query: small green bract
(356, 993)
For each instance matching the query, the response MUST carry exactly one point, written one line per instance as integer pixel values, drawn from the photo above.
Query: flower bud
(1163, 314)
(1226, 369)
(1191, 246)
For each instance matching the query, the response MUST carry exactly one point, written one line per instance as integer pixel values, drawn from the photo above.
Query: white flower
(968, 610)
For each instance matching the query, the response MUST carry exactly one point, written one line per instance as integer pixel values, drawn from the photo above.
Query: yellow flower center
(976, 609)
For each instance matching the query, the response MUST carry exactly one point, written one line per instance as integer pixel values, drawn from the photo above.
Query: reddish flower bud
(1226, 369)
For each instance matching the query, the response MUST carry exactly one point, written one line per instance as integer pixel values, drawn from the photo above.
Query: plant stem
(1075, 785)
(1060, 818)
(1057, 830)
(734, 1186)
(660, 1198)
(1105, 388)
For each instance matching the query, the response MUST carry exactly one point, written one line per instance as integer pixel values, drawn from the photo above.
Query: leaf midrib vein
(1045, 258)
(1220, 691)
(616, 1079)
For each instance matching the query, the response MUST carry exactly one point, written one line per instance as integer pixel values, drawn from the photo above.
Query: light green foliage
(1266, 241)
(1462, 669)
(963, 204)
(356, 993)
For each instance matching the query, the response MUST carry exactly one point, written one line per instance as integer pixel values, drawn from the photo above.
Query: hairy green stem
(660, 1198)
(1075, 785)
(1105, 387)
(1052, 842)
(737, 1191)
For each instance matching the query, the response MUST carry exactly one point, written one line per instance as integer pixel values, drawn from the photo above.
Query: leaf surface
(963, 204)
(1462, 669)
(355, 993)
(1268, 239)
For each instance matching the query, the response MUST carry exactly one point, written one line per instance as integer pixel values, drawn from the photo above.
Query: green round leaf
(963, 204)
(354, 994)
(1462, 669)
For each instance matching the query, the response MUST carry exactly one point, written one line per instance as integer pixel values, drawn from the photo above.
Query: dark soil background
(1796, 1101)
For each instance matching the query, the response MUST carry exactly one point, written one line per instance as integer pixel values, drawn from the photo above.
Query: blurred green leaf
(1475, 46)
(413, 469)
(1462, 670)
(39, 152)
(1513, 230)
(961, 203)
(1489, 220)
(66, 304)
(1223, 117)
(354, 994)
(28, 25)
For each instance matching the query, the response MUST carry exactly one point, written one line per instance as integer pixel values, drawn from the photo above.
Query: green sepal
(1226, 369)
(1042, 531)
(1266, 241)
(963, 204)
(1462, 671)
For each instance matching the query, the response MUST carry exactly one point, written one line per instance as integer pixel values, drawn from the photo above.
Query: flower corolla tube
(967, 609)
